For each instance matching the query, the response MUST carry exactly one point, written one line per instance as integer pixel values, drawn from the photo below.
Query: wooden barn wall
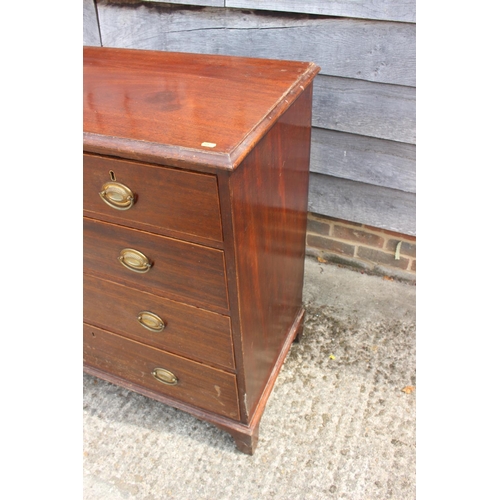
(91, 35)
(364, 120)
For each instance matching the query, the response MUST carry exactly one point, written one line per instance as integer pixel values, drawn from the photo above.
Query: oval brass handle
(117, 195)
(164, 376)
(151, 321)
(134, 260)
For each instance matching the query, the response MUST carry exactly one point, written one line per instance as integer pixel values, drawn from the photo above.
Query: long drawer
(182, 271)
(195, 383)
(175, 327)
(165, 200)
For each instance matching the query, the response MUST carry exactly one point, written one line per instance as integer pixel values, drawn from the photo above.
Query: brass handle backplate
(164, 376)
(151, 321)
(134, 260)
(117, 195)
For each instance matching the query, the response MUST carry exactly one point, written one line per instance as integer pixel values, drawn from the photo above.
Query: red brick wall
(365, 248)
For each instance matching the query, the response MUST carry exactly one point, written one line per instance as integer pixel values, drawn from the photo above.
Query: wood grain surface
(180, 271)
(168, 201)
(188, 102)
(376, 206)
(204, 3)
(364, 159)
(190, 331)
(364, 108)
(388, 10)
(91, 35)
(269, 198)
(206, 387)
(233, 306)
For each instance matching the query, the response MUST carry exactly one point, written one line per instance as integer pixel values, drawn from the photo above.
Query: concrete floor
(338, 424)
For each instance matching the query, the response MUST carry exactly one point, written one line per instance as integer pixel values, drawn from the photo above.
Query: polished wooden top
(186, 107)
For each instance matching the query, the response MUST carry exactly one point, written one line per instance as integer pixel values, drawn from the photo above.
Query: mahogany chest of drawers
(196, 173)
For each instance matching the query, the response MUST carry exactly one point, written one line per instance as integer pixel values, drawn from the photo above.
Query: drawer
(188, 331)
(179, 270)
(197, 384)
(166, 201)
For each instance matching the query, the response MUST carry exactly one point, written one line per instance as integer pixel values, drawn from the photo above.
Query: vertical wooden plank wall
(363, 137)
(91, 34)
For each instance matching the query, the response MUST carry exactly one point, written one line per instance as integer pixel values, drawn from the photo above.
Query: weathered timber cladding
(364, 203)
(388, 10)
(365, 108)
(385, 10)
(364, 120)
(364, 159)
(204, 3)
(368, 50)
(91, 34)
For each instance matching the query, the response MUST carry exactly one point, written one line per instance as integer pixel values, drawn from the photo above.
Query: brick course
(363, 247)
(358, 236)
(407, 248)
(330, 244)
(387, 259)
(317, 227)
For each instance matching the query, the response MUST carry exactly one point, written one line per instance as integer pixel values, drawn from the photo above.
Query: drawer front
(197, 384)
(179, 270)
(185, 330)
(165, 199)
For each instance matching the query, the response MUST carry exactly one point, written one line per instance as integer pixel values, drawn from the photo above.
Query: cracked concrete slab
(338, 424)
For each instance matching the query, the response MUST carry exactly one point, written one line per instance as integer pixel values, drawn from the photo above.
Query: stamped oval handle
(134, 260)
(164, 376)
(151, 321)
(117, 195)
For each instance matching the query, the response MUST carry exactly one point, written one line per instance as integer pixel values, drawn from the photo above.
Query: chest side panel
(269, 204)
